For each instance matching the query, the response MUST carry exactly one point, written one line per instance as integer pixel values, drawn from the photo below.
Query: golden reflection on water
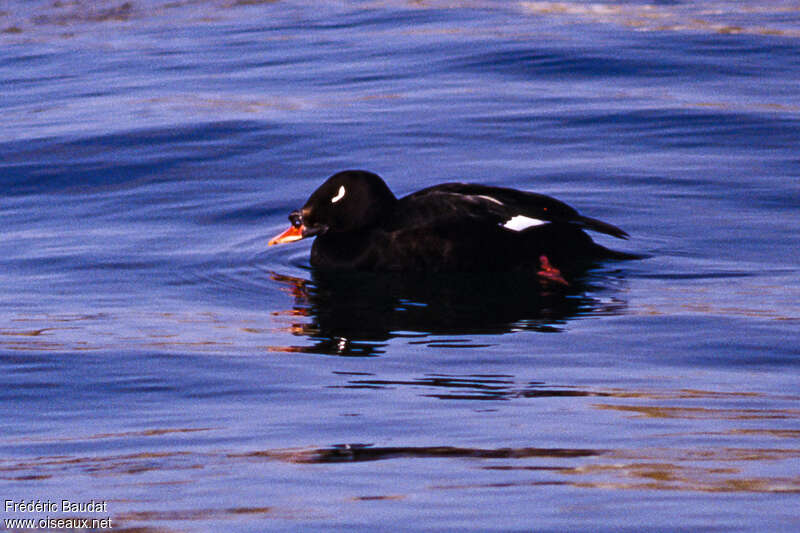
(198, 331)
(193, 514)
(703, 413)
(155, 432)
(670, 476)
(733, 459)
(676, 469)
(711, 17)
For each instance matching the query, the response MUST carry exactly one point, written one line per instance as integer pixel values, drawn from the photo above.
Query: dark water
(156, 355)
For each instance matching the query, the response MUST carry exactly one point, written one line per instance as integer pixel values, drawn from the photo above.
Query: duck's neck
(348, 251)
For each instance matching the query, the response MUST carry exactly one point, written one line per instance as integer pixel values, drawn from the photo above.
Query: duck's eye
(339, 195)
(296, 220)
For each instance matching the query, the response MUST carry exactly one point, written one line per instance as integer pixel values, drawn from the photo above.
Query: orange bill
(290, 235)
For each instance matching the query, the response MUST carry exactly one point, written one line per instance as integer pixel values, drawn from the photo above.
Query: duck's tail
(601, 252)
(601, 227)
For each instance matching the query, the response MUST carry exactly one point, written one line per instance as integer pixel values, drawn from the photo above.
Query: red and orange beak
(294, 233)
(298, 230)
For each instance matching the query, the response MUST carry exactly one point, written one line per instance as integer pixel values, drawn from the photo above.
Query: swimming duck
(359, 224)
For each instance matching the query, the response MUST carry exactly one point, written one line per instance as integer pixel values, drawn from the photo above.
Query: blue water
(155, 354)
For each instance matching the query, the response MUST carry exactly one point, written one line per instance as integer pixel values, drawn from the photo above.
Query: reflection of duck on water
(355, 313)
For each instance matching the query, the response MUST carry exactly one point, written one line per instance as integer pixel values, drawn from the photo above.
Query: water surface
(157, 355)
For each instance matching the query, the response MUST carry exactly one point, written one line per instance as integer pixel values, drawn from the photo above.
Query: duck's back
(465, 227)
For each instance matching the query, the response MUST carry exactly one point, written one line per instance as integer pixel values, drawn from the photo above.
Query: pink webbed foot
(549, 273)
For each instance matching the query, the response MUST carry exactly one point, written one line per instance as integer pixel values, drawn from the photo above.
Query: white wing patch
(339, 195)
(495, 200)
(521, 222)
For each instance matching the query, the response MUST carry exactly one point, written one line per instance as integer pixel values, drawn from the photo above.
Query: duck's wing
(453, 203)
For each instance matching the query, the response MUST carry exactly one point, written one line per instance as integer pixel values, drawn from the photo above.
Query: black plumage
(360, 225)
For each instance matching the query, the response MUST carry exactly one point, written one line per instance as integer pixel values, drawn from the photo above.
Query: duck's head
(348, 201)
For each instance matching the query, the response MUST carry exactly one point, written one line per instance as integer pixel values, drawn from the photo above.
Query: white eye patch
(521, 222)
(339, 195)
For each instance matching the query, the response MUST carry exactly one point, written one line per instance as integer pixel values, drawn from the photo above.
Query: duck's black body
(360, 225)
